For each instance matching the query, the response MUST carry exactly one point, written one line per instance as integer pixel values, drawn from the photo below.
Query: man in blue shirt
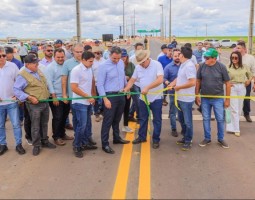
(10, 57)
(170, 74)
(165, 60)
(199, 52)
(111, 80)
(59, 109)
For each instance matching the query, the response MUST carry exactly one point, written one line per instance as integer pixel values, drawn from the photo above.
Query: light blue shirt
(106, 54)
(45, 62)
(111, 77)
(66, 70)
(54, 74)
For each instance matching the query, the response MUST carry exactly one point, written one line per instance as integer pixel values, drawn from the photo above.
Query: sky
(57, 18)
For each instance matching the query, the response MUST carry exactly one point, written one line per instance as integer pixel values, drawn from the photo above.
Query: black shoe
(120, 141)
(248, 118)
(36, 151)
(91, 141)
(132, 119)
(48, 145)
(108, 149)
(20, 149)
(88, 147)
(205, 142)
(78, 152)
(181, 142)
(3, 149)
(174, 133)
(186, 146)
(155, 145)
(138, 140)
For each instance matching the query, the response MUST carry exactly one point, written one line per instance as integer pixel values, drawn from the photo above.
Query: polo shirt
(8, 76)
(187, 71)
(83, 76)
(165, 60)
(17, 62)
(66, 70)
(148, 75)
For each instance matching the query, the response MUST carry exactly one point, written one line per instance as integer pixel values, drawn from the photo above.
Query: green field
(196, 39)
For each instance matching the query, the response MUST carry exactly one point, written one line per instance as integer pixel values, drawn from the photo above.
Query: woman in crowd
(240, 76)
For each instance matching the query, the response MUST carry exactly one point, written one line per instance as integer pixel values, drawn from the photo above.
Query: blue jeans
(135, 103)
(186, 120)
(172, 112)
(82, 124)
(218, 108)
(13, 111)
(156, 108)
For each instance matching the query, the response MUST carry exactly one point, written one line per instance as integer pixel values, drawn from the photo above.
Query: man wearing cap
(48, 55)
(97, 51)
(59, 109)
(150, 74)
(8, 74)
(58, 44)
(10, 57)
(31, 86)
(111, 80)
(107, 52)
(211, 77)
(97, 43)
(164, 50)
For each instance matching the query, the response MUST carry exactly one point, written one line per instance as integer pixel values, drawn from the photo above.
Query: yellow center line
(120, 186)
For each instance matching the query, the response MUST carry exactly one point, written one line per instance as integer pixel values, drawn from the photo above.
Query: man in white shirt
(8, 74)
(248, 60)
(150, 74)
(22, 50)
(83, 85)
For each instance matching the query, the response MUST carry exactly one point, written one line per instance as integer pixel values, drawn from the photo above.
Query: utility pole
(251, 23)
(123, 20)
(162, 21)
(170, 21)
(78, 20)
(134, 25)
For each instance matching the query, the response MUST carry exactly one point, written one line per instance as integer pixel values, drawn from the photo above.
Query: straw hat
(141, 56)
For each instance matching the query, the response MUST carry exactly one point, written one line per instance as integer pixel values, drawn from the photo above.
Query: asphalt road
(135, 171)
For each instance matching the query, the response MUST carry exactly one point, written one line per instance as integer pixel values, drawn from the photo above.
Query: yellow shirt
(239, 75)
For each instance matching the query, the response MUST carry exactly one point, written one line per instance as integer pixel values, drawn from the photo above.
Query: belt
(112, 92)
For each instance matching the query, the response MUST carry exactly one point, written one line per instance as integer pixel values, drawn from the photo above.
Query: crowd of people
(69, 77)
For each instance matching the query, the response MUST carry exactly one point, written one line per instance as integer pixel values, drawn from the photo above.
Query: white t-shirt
(250, 62)
(95, 65)
(194, 59)
(148, 75)
(83, 76)
(22, 50)
(8, 76)
(187, 71)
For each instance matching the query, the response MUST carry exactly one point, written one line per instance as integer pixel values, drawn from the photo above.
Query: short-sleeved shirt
(8, 76)
(148, 75)
(66, 70)
(212, 78)
(239, 75)
(249, 60)
(165, 60)
(83, 76)
(187, 71)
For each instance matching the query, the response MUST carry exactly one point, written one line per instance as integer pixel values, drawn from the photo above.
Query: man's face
(181, 57)
(98, 55)
(240, 49)
(59, 58)
(2, 58)
(77, 52)
(210, 61)
(139, 48)
(176, 57)
(32, 66)
(115, 57)
(48, 52)
(164, 51)
(169, 53)
(88, 63)
(9, 56)
(58, 46)
(199, 46)
(145, 63)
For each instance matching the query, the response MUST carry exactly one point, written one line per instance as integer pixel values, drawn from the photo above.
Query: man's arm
(191, 82)
(228, 90)
(129, 84)
(75, 88)
(197, 91)
(154, 84)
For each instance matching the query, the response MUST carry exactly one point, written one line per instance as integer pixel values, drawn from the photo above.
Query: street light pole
(134, 24)
(78, 21)
(250, 41)
(123, 20)
(162, 21)
(170, 21)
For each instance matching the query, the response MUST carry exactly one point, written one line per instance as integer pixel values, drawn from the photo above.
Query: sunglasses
(234, 58)
(49, 50)
(98, 53)
(3, 55)
(207, 58)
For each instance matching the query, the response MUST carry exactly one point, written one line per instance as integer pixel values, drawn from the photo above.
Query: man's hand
(92, 101)
(107, 104)
(198, 101)
(227, 103)
(65, 101)
(55, 102)
(248, 82)
(145, 91)
(177, 88)
(0, 100)
(33, 100)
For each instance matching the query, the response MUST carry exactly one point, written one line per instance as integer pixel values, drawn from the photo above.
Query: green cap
(211, 52)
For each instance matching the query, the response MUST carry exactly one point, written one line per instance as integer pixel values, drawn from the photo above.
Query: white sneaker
(237, 134)
(127, 129)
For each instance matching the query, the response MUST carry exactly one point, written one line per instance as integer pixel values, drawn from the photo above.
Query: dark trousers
(27, 123)
(60, 114)
(126, 111)
(22, 59)
(112, 119)
(247, 102)
(39, 115)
